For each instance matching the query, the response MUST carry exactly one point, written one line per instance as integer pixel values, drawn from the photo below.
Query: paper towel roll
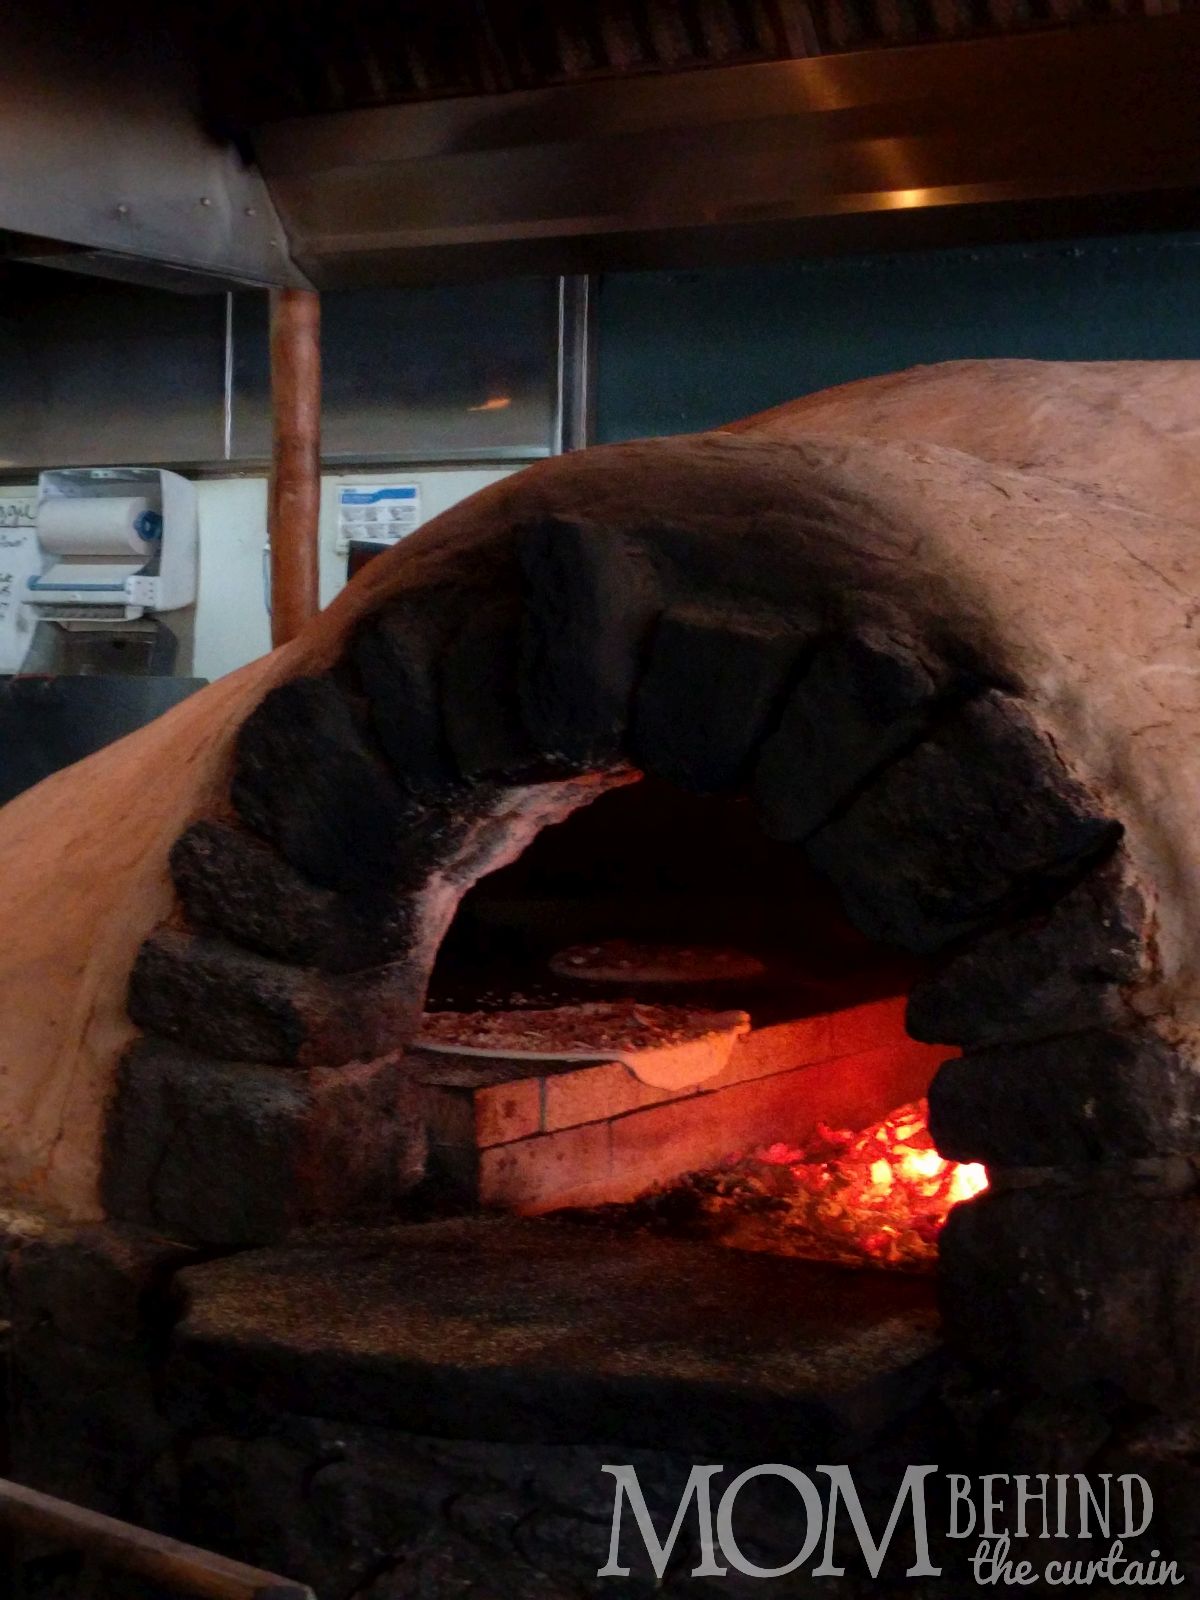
(105, 526)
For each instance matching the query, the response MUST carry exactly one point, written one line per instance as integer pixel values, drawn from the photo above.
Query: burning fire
(877, 1197)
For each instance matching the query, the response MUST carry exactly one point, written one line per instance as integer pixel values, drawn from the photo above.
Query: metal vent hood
(113, 167)
(1095, 128)
(109, 167)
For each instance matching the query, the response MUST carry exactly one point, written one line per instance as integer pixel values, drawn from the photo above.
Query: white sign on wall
(377, 515)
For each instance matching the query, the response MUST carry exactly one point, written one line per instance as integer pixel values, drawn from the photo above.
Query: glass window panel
(452, 370)
(106, 373)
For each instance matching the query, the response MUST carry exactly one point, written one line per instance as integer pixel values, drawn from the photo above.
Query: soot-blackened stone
(980, 820)
(81, 1305)
(216, 998)
(710, 693)
(1104, 1095)
(1058, 972)
(236, 1153)
(863, 700)
(1060, 1286)
(397, 656)
(230, 882)
(590, 599)
(306, 778)
(480, 700)
(232, 1004)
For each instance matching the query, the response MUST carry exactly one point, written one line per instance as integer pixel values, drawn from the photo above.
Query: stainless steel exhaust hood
(112, 167)
(108, 167)
(1093, 128)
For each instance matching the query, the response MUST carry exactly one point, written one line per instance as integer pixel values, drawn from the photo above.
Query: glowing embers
(874, 1199)
(878, 1198)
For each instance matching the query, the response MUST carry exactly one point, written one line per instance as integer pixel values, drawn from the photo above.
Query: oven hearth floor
(546, 1331)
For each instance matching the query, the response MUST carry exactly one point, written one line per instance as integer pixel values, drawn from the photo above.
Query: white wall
(232, 625)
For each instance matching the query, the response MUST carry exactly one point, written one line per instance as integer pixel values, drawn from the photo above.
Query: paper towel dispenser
(110, 537)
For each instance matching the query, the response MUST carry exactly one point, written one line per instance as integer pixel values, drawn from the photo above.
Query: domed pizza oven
(652, 837)
(868, 727)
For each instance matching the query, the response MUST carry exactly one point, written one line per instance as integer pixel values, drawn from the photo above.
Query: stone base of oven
(547, 1331)
(423, 1413)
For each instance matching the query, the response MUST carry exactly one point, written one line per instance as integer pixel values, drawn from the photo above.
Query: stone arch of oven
(491, 698)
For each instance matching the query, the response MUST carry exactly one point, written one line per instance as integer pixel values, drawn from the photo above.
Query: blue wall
(685, 350)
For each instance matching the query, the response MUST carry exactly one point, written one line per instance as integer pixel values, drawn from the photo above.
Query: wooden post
(183, 1568)
(294, 498)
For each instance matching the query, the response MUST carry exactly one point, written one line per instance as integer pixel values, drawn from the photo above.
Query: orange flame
(879, 1196)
